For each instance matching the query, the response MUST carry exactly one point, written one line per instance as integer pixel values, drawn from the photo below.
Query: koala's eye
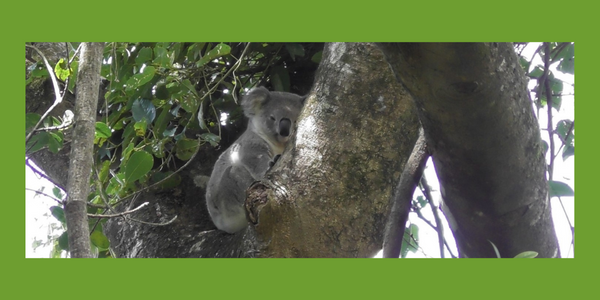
(272, 118)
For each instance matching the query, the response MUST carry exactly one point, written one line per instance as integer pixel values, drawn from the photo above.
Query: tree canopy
(166, 110)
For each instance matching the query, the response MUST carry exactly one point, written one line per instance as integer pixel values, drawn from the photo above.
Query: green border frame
(297, 21)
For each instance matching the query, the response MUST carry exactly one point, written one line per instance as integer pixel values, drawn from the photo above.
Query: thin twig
(564, 141)
(41, 174)
(118, 214)
(402, 196)
(548, 91)
(44, 194)
(436, 215)
(154, 224)
(58, 97)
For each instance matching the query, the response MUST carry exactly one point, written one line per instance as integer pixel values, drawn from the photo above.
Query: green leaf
(567, 66)
(190, 87)
(545, 146)
(30, 120)
(126, 153)
(61, 69)
(99, 240)
(422, 201)
(55, 142)
(51, 121)
(189, 103)
(568, 151)
(63, 241)
(317, 57)
(38, 141)
(157, 147)
(168, 184)
(73, 80)
(102, 130)
(57, 192)
(410, 240)
(527, 254)
(280, 79)
(115, 185)
(137, 80)
(559, 189)
(524, 63)
(38, 70)
(140, 128)
(170, 131)
(58, 213)
(143, 109)
(185, 148)
(563, 127)
(294, 49)
(162, 121)
(104, 171)
(537, 72)
(143, 56)
(216, 52)
(566, 52)
(212, 138)
(138, 165)
(193, 52)
(162, 57)
(161, 92)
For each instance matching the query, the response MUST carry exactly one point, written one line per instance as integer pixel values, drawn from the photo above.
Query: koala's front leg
(275, 159)
(257, 162)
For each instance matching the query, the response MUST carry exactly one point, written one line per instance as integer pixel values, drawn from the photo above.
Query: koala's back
(231, 176)
(272, 116)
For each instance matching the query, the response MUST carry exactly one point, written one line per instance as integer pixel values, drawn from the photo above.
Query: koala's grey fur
(272, 117)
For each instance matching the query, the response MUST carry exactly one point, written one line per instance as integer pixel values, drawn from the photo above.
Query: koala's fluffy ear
(252, 102)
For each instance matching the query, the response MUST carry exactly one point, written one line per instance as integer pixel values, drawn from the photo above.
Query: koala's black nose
(285, 125)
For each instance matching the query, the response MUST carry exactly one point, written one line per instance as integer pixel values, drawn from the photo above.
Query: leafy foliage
(165, 101)
(162, 103)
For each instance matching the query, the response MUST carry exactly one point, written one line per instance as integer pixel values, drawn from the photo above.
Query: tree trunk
(88, 82)
(329, 194)
(485, 142)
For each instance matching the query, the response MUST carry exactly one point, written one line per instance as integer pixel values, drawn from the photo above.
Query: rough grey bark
(356, 132)
(329, 193)
(88, 81)
(39, 96)
(485, 143)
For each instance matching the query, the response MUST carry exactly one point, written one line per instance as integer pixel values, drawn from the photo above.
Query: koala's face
(273, 114)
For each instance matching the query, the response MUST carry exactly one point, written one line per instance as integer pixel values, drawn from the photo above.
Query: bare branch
(44, 194)
(402, 198)
(118, 214)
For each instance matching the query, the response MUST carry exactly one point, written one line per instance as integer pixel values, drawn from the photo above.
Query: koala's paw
(275, 159)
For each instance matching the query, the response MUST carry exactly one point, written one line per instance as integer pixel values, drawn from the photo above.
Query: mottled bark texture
(472, 102)
(329, 193)
(82, 149)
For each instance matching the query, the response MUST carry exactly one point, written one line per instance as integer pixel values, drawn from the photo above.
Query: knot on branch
(256, 198)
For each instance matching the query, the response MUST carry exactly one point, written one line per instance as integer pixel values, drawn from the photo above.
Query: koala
(272, 116)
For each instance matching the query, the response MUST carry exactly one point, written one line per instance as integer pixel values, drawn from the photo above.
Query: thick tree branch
(485, 143)
(88, 84)
(402, 198)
